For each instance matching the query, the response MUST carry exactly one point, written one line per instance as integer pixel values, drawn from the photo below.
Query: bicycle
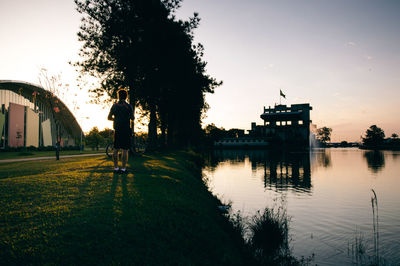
(110, 149)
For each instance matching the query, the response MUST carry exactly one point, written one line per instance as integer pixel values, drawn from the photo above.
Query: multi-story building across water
(284, 126)
(289, 125)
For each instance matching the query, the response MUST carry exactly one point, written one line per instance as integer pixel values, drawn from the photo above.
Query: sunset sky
(342, 57)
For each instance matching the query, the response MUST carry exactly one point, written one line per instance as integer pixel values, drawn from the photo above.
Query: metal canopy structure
(37, 94)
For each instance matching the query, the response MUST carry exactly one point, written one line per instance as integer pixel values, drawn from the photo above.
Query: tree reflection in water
(375, 160)
(396, 155)
(322, 157)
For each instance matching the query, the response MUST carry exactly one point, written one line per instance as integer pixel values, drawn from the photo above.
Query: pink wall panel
(16, 125)
(31, 128)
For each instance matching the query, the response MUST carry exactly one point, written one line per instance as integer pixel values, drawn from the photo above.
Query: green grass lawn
(76, 211)
(31, 154)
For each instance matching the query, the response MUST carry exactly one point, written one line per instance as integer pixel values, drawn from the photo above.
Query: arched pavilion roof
(27, 90)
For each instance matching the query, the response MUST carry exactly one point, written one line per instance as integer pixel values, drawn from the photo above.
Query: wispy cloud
(351, 44)
(368, 57)
(269, 66)
(342, 125)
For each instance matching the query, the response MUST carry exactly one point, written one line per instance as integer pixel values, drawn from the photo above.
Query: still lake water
(327, 194)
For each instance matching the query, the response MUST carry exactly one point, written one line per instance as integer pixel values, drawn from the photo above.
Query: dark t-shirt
(122, 112)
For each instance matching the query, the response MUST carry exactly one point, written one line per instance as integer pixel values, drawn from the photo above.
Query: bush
(267, 237)
(269, 231)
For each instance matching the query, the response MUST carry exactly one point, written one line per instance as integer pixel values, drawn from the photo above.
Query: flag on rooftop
(281, 94)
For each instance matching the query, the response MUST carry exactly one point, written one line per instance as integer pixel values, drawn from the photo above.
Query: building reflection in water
(281, 170)
(326, 190)
(288, 170)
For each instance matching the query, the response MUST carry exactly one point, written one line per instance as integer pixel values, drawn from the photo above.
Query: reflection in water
(326, 191)
(375, 160)
(288, 170)
(282, 170)
(323, 157)
(396, 155)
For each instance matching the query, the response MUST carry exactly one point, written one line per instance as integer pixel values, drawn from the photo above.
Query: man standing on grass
(121, 113)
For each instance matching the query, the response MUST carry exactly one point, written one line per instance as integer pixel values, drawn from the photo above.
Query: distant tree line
(141, 45)
(213, 133)
(96, 139)
(374, 138)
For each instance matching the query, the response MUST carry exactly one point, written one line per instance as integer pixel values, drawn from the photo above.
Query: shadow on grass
(31, 168)
(79, 212)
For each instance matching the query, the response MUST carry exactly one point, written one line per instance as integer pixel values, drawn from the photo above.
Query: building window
(278, 123)
(289, 123)
(300, 122)
(283, 123)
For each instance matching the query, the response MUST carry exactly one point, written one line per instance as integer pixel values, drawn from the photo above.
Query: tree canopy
(96, 138)
(140, 45)
(324, 134)
(374, 136)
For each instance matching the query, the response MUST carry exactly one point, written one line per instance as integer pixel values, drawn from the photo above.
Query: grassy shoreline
(33, 154)
(75, 211)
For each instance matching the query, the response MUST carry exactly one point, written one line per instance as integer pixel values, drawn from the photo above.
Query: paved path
(49, 157)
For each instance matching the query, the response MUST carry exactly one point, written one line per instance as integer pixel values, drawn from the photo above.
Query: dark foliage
(269, 231)
(95, 138)
(324, 134)
(374, 136)
(140, 45)
(213, 133)
(268, 238)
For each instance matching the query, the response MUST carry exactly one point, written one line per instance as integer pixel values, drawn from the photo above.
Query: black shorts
(122, 138)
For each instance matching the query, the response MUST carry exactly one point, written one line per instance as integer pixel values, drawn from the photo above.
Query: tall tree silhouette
(374, 136)
(139, 44)
(324, 134)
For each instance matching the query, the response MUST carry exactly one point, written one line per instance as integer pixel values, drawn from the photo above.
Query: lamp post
(81, 148)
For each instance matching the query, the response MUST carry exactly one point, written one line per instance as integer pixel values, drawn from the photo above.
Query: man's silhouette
(121, 113)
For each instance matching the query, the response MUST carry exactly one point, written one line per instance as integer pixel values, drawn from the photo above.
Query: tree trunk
(132, 103)
(163, 127)
(171, 132)
(58, 139)
(163, 135)
(152, 128)
(57, 150)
